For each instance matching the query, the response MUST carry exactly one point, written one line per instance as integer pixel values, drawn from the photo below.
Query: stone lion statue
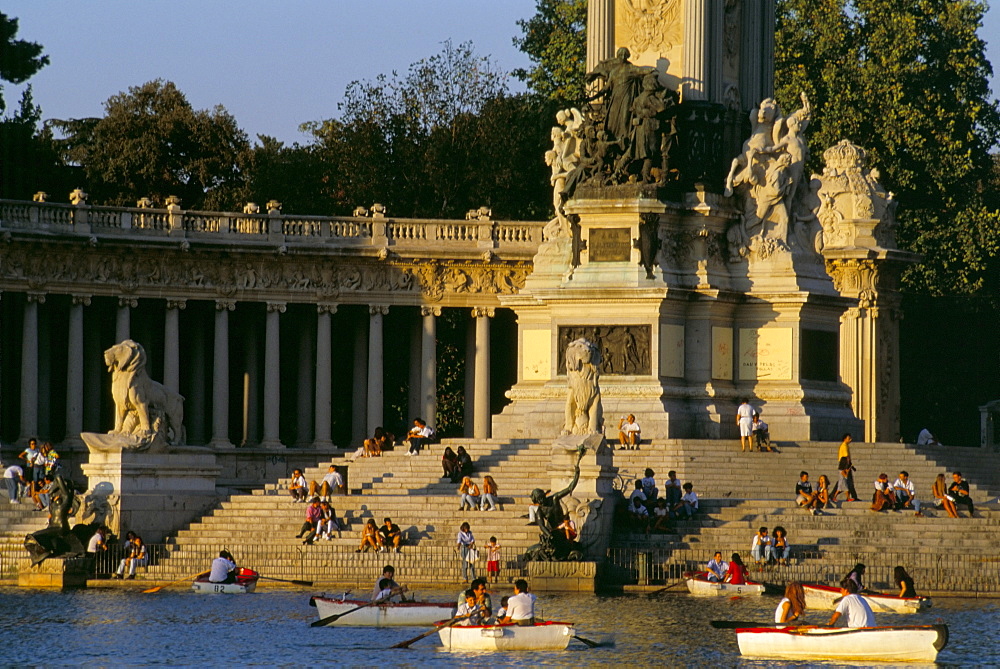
(143, 407)
(584, 413)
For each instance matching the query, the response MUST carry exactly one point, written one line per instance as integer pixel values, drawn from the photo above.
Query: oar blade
(740, 624)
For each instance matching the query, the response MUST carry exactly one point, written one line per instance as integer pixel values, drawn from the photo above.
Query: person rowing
(521, 606)
(853, 607)
(378, 592)
(223, 569)
(791, 607)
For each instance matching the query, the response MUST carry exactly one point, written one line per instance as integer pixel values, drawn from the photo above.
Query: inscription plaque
(610, 245)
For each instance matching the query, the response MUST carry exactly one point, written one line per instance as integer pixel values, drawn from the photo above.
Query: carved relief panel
(625, 349)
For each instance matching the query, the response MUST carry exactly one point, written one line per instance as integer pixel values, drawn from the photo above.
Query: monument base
(562, 576)
(152, 494)
(56, 573)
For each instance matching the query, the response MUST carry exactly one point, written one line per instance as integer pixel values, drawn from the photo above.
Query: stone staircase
(16, 520)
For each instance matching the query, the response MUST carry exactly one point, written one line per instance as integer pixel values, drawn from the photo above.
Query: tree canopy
(19, 59)
(555, 41)
(152, 143)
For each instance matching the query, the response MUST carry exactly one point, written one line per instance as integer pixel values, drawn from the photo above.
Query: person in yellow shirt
(846, 467)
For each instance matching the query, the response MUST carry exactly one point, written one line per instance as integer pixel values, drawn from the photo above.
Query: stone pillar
(376, 393)
(714, 56)
(428, 365)
(324, 373)
(765, 50)
(469, 412)
(750, 56)
(694, 83)
(29, 367)
(171, 345)
(220, 376)
(413, 396)
(359, 396)
(272, 376)
(600, 31)
(482, 416)
(74, 370)
(123, 318)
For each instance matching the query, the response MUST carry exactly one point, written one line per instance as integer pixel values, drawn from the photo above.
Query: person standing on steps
(744, 419)
(466, 547)
(847, 469)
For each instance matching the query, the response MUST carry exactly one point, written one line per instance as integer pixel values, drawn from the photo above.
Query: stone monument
(142, 477)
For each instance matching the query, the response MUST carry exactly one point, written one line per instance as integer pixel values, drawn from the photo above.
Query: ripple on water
(271, 627)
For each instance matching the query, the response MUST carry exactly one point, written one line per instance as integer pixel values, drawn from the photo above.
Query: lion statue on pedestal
(143, 407)
(584, 413)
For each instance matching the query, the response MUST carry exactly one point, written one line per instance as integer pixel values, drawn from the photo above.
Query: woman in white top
(790, 608)
(466, 543)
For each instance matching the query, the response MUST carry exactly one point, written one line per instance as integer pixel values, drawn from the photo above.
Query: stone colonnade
(269, 361)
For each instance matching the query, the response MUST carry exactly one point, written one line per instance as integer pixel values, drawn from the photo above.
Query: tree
(19, 60)
(28, 161)
(152, 143)
(555, 41)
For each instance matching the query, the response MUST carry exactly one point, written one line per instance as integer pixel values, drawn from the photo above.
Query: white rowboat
(825, 597)
(393, 614)
(540, 636)
(919, 643)
(698, 584)
(246, 582)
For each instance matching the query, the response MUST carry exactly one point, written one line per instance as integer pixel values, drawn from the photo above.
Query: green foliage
(152, 143)
(28, 161)
(441, 140)
(19, 60)
(555, 41)
(908, 81)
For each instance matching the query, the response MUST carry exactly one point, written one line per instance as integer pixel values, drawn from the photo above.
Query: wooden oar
(733, 624)
(307, 584)
(329, 619)
(407, 644)
(594, 644)
(662, 590)
(186, 578)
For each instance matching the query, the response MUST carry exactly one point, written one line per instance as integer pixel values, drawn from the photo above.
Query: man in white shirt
(855, 609)
(629, 433)
(925, 438)
(13, 477)
(333, 483)
(223, 569)
(419, 436)
(744, 419)
(717, 567)
(521, 606)
(388, 574)
(906, 493)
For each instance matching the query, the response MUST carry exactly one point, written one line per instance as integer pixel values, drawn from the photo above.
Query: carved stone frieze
(652, 26)
(625, 349)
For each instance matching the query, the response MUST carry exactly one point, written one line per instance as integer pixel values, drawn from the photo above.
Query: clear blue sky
(272, 63)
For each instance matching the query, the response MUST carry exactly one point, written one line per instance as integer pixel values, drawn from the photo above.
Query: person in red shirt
(737, 572)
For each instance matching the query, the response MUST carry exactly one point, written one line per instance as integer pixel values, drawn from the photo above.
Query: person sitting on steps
(389, 536)
(761, 435)
(959, 491)
(629, 433)
(418, 437)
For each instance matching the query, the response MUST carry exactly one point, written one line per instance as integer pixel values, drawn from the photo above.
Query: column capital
(225, 305)
(382, 309)
(128, 301)
(81, 300)
(36, 297)
(326, 308)
(277, 306)
(178, 303)
(430, 311)
(480, 312)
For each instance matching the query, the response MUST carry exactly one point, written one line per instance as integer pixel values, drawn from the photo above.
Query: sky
(273, 64)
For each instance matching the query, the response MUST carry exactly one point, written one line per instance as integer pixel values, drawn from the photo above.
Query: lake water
(115, 626)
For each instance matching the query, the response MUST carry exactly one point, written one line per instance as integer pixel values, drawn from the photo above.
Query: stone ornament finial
(40, 196)
(78, 197)
(144, 203)
(173, 203)
(360, 212)
(378, 210)
(251, 208)
(273, 207)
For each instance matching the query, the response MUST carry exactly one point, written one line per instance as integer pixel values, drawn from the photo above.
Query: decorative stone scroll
(625, 349)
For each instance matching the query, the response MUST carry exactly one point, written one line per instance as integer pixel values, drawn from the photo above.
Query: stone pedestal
(153, 495)
(56, 573)
(591, 505)
(562, 576)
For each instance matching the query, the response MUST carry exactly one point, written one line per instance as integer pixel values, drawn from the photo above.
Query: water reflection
(109, 627)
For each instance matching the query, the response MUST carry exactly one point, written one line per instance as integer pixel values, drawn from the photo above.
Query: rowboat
(547, 635)
(246, 581)
(393, 614)
(918, 643)
(825, 597)
(698, 584)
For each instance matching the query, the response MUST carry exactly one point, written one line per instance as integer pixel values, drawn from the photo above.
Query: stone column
(359, 383)
(171, 345)
(324, 373)
(694, 81)
(413, 396)
(220, 376)
(481, 419)
(376, 392)
(123, 318)
(428, 365)
(750, 55)
(600, 32)
(469, 412)
(765, 50)
(714, 56)
(29, 367)
(74, 370)
(272, 376)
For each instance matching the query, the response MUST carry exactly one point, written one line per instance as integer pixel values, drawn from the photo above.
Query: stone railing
(377, 232)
